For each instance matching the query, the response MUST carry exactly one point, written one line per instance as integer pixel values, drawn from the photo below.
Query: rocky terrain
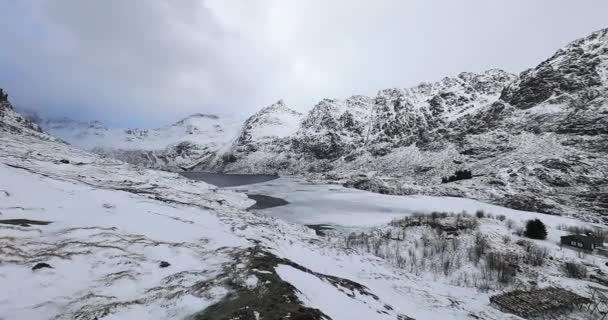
(534, 141)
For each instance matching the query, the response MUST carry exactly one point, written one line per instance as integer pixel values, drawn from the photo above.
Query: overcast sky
(151, 62)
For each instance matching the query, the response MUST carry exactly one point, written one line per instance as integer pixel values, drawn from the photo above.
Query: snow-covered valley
(367, 230)
(534, 141)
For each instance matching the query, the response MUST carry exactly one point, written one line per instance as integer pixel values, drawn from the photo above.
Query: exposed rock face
(11, 120)
(568, 92)
(573, 75)
(334, 128)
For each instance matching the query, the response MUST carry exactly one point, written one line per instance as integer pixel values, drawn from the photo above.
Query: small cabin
(581, 241)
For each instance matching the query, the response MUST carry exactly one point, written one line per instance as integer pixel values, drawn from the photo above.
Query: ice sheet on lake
(336, 205)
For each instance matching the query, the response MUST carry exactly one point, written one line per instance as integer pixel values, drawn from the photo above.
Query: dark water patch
(320, 229)
(228, 180)
(24, 222)
(265, 202)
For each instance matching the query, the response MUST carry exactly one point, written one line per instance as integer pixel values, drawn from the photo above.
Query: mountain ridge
(543, 131)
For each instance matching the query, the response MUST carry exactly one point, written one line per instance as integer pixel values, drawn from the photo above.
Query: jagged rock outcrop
(13, 121)
(334, 128)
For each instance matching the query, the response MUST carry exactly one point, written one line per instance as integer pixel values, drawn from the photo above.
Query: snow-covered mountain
(190, 141)
(543, 132)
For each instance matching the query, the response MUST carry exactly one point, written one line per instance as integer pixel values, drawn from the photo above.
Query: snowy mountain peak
(274, 121)
(278, 107)
(575, 75)
(195, 117)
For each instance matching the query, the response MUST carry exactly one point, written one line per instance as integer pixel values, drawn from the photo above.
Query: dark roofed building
(581, 241)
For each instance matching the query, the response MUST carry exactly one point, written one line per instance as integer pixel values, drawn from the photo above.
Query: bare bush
(503, 265)
(480, 214)
(479, 248)
(535, 255)
(447, 222)
(501, 217)
(574, 270)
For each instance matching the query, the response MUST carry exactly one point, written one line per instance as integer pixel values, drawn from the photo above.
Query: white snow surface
(274, 121)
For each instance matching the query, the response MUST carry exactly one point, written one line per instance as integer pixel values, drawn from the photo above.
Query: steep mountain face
(262, 137)
(334, 128)
(412, 116)
(567, 92)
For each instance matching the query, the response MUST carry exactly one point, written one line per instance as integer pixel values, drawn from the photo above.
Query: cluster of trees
(458, 175)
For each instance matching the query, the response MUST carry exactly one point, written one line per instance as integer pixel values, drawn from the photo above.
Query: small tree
(535, 229)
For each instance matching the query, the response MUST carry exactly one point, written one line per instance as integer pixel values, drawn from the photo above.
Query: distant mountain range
(535, 141)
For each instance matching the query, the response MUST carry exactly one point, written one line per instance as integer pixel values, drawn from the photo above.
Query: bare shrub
(479, 248)
(480, 214)
(535, 255)
(501, 217)
(503, 265)
(447, 222)
(574, 270)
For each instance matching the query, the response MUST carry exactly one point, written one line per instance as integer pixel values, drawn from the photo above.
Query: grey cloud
(151, 62)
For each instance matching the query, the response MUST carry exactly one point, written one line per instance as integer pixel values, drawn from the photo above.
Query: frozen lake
(326, 204)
